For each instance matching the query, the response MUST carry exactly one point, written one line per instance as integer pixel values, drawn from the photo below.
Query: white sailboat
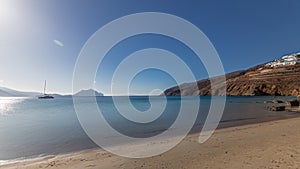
(45, 96)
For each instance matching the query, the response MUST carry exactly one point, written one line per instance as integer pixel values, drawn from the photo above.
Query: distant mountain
(89, 92)
(59, 95)
(6, 92)
(261, 80)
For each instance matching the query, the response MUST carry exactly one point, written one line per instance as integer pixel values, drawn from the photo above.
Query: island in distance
(280, 77)
(6, 92)
(88, 93)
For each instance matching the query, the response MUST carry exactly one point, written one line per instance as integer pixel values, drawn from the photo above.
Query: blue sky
(41, 39)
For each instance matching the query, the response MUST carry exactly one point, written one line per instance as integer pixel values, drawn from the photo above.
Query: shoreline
(195, 130)
(99, 157)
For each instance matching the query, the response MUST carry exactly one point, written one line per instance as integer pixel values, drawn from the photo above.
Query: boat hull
(46, 97)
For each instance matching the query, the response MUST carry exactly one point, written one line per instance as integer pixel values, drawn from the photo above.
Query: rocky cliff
(257, 81)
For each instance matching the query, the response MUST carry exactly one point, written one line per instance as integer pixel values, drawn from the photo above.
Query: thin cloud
(58, 43)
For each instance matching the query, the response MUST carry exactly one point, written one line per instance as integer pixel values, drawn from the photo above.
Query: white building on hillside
(285, 61)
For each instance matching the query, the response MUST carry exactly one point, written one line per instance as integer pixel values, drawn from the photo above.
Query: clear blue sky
(42, 39)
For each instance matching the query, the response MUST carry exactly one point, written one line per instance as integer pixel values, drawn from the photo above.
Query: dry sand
(273, 144)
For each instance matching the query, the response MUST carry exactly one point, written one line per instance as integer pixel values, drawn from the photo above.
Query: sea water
(30, 127)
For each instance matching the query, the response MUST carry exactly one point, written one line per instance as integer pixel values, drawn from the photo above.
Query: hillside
(261, 80)
(6, 92)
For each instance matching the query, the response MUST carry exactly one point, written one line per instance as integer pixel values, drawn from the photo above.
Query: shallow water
(30, 127)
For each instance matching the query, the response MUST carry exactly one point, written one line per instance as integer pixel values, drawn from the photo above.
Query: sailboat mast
(45, 96)
(45, 88)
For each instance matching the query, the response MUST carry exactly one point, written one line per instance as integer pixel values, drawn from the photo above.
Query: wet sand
(274, 144)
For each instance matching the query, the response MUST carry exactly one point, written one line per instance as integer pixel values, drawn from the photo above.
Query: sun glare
(6, 104)
(7, 11)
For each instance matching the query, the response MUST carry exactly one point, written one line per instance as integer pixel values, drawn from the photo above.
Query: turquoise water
(30, 127)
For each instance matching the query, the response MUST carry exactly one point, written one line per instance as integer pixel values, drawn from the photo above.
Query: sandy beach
(272, 144)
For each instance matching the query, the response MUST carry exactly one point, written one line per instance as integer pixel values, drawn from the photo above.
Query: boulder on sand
(276, 108)
(292, 103)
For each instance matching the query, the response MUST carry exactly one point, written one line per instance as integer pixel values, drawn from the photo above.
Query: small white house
(285, 60)
(289, 58)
